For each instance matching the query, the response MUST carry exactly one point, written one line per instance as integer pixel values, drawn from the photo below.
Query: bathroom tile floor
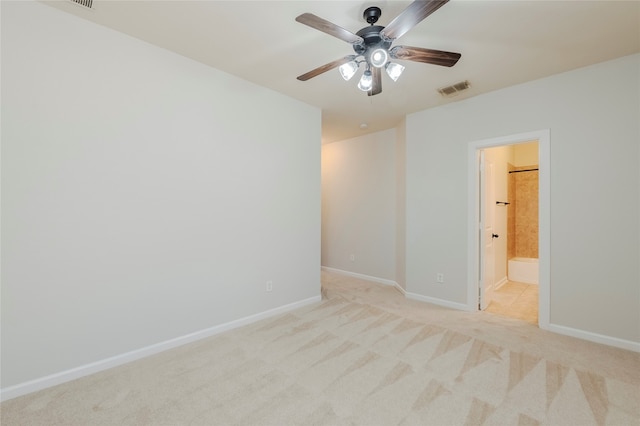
(516, 300)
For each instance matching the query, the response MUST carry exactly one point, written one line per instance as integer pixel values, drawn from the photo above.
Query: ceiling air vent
(86, 3)
(454, 89)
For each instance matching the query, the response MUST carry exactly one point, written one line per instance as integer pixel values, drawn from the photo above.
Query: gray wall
(359, 205)
(144, 196)
(593, 116)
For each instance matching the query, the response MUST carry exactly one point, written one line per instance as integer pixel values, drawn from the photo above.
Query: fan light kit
(372, 46)
(366, 82)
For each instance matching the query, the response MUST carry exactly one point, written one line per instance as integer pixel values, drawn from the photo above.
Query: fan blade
(330, 28)
(376, 74)
(410, 17)
(324, 68)
(428, 56)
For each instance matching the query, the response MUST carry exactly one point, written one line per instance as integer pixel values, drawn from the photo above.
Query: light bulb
(366, 81)
(394, 70)
(378, 57)
(348, 70)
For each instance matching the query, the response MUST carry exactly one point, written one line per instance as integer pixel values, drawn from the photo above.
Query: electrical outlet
(352, 257)
(269, 285)
(440, 277)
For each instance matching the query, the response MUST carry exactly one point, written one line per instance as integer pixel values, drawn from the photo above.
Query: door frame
(544, 219)
(486, 221)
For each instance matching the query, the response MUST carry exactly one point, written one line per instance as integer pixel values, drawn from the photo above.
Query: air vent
(454, 89)
(85, 3)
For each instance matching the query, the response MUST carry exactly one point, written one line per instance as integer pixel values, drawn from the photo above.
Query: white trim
(439, 302)
(500, 283)
(414, 296)
(365, 277)
(544, 245)
(595, 337)
(95, 367)
(544, 230)
(473, 223)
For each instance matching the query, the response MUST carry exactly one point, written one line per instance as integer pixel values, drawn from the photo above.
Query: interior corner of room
(139, 215)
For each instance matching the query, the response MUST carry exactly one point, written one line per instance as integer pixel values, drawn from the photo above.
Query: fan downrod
(372, 14)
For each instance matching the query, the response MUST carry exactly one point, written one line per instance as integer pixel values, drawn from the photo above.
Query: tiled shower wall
(522, 214)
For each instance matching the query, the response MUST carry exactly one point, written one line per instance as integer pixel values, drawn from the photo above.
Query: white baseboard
(95, 367)
(439, 302)
(500, 283)
(365, 277)
(580, 334)
(595, 337)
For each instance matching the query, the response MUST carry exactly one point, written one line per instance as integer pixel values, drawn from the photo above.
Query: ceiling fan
(372, 45)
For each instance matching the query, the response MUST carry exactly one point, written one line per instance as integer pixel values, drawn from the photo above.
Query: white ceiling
(502, 43)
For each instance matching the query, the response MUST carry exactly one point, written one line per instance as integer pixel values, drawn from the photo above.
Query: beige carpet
(363, 356)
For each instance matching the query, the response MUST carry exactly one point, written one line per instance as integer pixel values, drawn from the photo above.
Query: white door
(486, 228)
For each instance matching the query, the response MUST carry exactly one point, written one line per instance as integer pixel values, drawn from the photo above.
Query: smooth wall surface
(592, 114)
(359, 205)
(144, 196)
(525, 154)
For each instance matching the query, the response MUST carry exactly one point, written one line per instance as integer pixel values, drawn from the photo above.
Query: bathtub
(523, 270)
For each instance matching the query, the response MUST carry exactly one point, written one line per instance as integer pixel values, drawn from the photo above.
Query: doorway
(510, 208)
(488, 211)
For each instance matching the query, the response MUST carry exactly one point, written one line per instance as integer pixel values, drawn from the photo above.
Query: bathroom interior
(515, 292)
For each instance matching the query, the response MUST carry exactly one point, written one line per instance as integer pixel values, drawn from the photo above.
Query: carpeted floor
(365, 355)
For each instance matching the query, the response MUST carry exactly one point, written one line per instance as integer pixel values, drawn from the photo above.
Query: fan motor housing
(372, 38)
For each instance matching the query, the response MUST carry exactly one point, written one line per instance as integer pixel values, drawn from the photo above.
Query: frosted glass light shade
(378, 58)
(394, 70)
(348, 70)
(366, 81)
